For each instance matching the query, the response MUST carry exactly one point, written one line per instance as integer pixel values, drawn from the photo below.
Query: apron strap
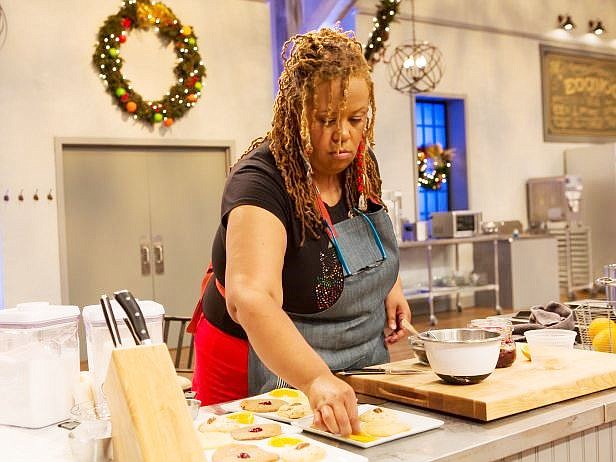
(198, 311)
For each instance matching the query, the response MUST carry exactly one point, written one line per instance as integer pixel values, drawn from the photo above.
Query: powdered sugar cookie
(212, 440)
(256, 432)
(235, 452)
(304, 452)
(262, 405)
(295, 410)
(378, 414)
(384, 428)
(219, 424)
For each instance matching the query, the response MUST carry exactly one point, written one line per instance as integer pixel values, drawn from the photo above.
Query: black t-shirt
(312, 277)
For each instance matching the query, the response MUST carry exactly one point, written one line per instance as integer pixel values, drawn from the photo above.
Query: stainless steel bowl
(462, 356)
(464, 335)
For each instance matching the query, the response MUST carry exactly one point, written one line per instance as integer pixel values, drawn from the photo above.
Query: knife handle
(110, 321)
(134, 314)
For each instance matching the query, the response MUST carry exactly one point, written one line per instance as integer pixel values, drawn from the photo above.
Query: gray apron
(349, 334)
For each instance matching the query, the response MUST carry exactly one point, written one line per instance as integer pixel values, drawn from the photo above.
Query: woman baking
(305, 261)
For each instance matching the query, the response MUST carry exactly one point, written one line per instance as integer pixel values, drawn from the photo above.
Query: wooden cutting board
(505, 392)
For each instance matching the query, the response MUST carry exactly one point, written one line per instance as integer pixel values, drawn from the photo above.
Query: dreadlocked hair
(313, 58)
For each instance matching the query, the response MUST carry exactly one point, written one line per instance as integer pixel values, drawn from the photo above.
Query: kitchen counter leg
(433, 319)
(458, 304)
(496, 280)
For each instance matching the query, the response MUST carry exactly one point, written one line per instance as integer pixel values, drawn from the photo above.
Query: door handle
(144, 251)
(159, 256)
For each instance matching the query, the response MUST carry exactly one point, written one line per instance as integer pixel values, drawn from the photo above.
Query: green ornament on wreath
(190, 71)
(433, 165)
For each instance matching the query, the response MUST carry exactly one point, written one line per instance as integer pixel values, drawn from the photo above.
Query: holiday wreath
(141, 14)
(433, 164)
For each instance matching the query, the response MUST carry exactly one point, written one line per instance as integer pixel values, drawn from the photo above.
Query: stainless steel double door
(142, 219)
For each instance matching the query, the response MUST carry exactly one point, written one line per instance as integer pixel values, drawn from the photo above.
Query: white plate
(417, 424)
(234, 406)
(333, 454)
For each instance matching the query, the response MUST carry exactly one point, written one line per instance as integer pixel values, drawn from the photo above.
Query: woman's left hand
(396, 309)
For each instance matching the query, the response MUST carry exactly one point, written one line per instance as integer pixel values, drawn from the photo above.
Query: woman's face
(335, 146)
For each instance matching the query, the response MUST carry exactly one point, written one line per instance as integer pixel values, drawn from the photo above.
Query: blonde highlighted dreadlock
(313, 58)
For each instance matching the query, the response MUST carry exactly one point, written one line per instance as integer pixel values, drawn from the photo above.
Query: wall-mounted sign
(579, 95)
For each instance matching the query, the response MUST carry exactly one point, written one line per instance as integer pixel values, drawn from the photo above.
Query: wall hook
(36, 196)
(21, 195)
(49, 195)
(6, 196)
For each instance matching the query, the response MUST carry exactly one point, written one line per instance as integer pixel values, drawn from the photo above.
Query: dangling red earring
(362, 203)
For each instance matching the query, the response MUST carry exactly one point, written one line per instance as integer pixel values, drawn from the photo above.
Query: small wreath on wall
(189, 71)
(433, 164)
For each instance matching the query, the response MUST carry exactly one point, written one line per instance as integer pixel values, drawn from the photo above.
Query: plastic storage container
(549, 347)
(98, 339)
(39, 363)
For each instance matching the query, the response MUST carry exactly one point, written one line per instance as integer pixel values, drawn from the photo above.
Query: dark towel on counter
(552, 316)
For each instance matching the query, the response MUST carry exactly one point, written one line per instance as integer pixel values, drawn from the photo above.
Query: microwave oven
(457, 223)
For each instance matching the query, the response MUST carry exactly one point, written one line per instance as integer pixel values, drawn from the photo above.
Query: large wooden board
(505, 392)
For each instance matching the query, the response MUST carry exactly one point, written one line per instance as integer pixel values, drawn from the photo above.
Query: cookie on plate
(378, 414)
(262, 405)
(295, 410)
(234, 452)
(256, 432)
(384, 428)
(304, 452)
(213, 440)
(219, 424)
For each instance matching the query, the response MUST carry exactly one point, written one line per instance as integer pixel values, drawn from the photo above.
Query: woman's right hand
(334, 404)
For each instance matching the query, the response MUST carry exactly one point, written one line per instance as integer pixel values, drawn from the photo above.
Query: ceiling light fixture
(566, 23)
(415, 67)
(596, 27)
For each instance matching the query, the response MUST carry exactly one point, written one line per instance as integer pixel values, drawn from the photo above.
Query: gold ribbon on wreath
(147, 14)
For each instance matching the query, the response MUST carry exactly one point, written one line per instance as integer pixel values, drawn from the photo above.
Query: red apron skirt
(221, 360)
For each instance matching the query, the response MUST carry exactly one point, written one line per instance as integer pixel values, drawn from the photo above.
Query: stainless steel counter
(581, 429)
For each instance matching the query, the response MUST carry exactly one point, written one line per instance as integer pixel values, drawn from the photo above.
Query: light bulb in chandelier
(421, 61)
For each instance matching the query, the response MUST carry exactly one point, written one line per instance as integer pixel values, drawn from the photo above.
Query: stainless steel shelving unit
(432, 291)
(574, 258)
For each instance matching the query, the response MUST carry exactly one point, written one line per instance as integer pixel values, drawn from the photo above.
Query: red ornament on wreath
(126, 23)
(192, 81)
(122, 37)
(124, 97)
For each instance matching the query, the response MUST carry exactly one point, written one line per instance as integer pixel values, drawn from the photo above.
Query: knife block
(149, 416)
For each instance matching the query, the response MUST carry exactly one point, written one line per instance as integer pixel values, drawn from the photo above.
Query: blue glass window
(431, 128)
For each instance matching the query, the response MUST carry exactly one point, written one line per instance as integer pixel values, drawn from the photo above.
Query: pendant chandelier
(415, 67)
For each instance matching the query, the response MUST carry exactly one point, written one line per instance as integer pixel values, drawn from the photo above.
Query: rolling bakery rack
(430, 292)
(574, 258)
